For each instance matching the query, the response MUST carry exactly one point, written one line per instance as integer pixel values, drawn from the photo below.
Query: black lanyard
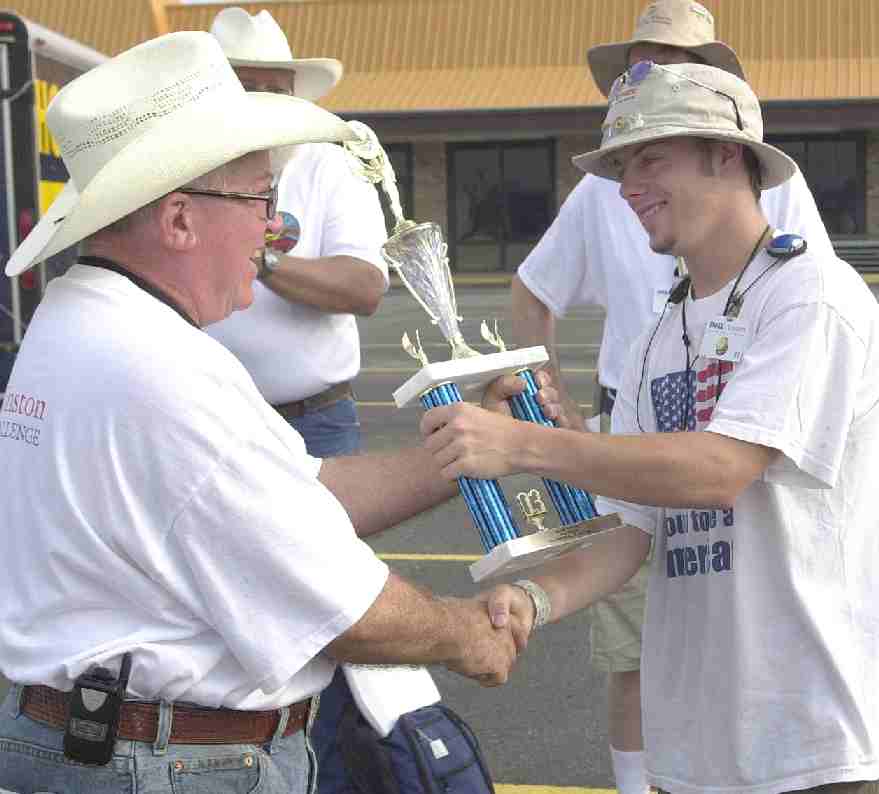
(109, 264)
(733, 301)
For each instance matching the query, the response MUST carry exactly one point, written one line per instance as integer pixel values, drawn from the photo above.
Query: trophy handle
(370, 162)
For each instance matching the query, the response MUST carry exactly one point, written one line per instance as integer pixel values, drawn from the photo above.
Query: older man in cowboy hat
(746, 434)
(299, 340)
(597, 253)
(159, 518)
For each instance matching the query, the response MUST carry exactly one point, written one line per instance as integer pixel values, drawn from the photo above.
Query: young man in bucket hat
(299, 340)
(160, 520)
(745, 437)
(596, 252)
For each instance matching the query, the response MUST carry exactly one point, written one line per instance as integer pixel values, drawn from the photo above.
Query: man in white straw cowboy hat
(596, 252)
(299, 340)
(160, 520)
(745, 438)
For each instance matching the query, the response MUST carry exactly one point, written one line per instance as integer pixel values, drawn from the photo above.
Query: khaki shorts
(615, 626)
(616, 621)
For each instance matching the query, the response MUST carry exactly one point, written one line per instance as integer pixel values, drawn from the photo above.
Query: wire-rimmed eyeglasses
(270, 198)
(638, 71)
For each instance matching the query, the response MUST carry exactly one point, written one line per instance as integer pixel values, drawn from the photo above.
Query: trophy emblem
(418, 253)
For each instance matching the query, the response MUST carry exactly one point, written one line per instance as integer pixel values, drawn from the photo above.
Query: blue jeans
(332, 776)
(331, 431)
(32, 761)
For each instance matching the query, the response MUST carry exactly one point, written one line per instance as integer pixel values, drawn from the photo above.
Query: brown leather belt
(139, 721)
(298, 408)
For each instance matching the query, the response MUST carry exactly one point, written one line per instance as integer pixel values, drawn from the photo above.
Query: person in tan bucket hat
(596, 252)
(180, 578)
(680, 24)
(745, 437)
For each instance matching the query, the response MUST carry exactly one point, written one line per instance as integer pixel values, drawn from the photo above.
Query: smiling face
(673, 188)
(231, 232)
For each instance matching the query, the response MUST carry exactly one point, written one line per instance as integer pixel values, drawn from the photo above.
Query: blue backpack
(430, 751)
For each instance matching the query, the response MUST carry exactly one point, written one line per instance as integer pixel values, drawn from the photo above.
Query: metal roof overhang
(779, 117)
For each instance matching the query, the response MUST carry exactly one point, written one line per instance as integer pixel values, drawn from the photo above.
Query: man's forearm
(408, 625)
(381, 490)
(578, 580)
(574, 581)
(663, 469)
(335, 284)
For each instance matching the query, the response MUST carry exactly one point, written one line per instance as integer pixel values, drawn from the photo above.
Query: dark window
(835, 169)
(400, 155)
(501, 200)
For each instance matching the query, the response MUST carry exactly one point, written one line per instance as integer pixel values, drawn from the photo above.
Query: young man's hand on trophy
(497, 394)
(469, 441)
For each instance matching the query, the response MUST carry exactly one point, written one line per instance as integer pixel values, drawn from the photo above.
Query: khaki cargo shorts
(615, 623)
(615, 626)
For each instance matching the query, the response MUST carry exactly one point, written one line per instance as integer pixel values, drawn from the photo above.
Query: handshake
(493, 629)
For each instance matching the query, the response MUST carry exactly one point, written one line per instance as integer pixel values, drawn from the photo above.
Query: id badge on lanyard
(724, 339)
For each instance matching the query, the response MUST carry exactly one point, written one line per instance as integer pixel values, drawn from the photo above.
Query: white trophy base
(532, 550)
(469, 373)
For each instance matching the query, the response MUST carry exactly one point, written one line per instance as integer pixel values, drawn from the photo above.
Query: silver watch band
(540, 599)
(269, 263)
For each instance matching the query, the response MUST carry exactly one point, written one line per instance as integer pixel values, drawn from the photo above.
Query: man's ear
(727, 154)
(177, 222)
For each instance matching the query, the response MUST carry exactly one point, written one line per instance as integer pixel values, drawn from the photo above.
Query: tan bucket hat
(676, 23)
(259, 42)
(650, 102)
(151, 120)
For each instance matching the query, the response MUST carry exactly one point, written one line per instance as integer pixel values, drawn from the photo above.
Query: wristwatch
(540, 599)
(268, 264)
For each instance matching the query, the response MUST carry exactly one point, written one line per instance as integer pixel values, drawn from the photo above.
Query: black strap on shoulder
(109, 264)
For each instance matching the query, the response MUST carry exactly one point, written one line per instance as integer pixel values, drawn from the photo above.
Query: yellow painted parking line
(432, 557)
(502, 788)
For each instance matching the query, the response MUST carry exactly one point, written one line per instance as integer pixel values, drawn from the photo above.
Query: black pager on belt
(93, 714)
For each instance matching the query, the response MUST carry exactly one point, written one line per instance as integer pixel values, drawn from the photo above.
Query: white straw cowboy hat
(650, 102)
(259, 42)
(151, 120)
(675, 23)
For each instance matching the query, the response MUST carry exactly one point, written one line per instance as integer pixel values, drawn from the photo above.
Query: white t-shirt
(761, 638)
(291, 350)
(597, 252)
(152, 501)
